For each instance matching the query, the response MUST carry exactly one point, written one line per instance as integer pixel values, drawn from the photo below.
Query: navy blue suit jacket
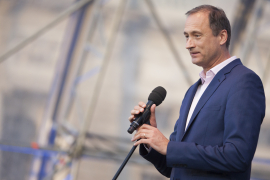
(221, 138)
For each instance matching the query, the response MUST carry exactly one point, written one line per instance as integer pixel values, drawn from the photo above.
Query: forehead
(197, 22)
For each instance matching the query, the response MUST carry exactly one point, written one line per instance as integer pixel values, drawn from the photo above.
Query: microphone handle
(141, 118)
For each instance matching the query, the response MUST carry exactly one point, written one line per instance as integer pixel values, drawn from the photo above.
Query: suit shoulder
(241, 73)
(244, 79)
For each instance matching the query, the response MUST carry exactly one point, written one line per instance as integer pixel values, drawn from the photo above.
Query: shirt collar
(213, 71)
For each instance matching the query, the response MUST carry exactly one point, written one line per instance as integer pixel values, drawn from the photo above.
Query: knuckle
(141, 103)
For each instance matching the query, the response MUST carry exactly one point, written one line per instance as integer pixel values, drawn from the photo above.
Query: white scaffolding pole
(44, 29)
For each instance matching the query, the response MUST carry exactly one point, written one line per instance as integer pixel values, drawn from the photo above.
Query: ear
(223, 35)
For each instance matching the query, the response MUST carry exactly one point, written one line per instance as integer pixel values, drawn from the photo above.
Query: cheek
(203, 45)
(211, 47)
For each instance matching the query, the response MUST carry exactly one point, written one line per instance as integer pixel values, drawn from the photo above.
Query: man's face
(203, 46)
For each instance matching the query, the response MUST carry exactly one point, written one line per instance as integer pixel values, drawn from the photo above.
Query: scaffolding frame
(76, 55)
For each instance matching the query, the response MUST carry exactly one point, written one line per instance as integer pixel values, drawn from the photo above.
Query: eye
(197, 35)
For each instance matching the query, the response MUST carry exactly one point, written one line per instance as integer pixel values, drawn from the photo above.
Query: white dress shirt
(206, 80)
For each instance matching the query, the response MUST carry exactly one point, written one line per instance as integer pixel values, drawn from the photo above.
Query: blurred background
(71, 71)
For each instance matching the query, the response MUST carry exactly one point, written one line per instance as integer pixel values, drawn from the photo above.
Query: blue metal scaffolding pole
(78, 24)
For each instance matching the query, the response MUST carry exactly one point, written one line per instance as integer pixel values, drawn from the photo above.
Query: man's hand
(149, 135)
(140, 108)
(153, 137)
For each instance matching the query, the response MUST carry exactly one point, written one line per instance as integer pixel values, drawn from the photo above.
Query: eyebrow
(192, 32)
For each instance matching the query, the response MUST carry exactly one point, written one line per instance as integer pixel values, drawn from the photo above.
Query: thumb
(153, 116)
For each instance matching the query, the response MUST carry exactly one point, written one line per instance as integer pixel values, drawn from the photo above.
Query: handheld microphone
(155, 97)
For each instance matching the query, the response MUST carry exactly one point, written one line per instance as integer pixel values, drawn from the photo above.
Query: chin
(196, 61)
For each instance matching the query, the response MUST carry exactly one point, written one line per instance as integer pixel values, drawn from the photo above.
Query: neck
(224, 56)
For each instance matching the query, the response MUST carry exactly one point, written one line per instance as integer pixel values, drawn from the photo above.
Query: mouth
(194, 53)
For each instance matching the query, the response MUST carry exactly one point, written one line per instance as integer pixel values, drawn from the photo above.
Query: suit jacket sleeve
(157, 159)
(243, 116)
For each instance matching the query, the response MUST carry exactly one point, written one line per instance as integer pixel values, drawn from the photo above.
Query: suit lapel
(190, 95)
(215, 83)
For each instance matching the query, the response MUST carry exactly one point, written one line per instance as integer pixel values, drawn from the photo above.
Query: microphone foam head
(157, 95)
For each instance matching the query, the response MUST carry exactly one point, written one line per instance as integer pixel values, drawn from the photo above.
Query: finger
(140, 135)
(134, 112)
(142, 129)
(137, 136)
(153, 108)
(146, 127)
(142, 104)
(131, 118)
(142, 141)
(153, 116)
(138, 108)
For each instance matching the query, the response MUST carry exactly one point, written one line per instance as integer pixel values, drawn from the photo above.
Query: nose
(190, 44)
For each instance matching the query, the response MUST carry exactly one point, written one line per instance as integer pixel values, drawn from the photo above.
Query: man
(217, 132)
